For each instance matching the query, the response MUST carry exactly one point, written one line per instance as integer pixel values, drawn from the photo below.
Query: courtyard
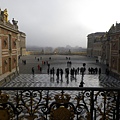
(43, 79)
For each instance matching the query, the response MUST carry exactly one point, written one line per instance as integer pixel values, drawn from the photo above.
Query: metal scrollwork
(83, 104)
(105, 104)
(59, 104)
(26, 101)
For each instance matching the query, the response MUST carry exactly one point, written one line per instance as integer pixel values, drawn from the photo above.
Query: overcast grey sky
(62, 22)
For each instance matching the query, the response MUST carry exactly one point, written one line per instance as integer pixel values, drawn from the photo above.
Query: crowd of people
(69, 70)
(92, 70)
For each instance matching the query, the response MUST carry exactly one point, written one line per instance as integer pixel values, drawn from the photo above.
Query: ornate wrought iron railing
(58, 103)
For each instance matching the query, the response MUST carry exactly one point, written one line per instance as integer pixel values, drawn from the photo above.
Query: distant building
(94, 44)
(47, 50)
(97, 48)
(8, 46)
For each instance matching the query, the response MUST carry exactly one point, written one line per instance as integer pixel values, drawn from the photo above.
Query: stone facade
(106, 47)
(8, 46)
(21, 44)
(97, 47)
(114, 35)
(90, 42)
(94, 44)
(105, 53)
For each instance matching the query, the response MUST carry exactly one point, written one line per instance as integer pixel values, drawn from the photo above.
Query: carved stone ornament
(14, 60)
(114, 44)
(5, 42)
(14, 42)
(113, 60)
(6, 61)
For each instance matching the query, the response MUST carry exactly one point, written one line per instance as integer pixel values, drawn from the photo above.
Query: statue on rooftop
(15, 23)
(1, 15)
(5, 15)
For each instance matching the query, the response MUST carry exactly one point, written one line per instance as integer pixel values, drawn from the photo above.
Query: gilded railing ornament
(62, 98)
(4, 112)
(3, 97)
(62, 109)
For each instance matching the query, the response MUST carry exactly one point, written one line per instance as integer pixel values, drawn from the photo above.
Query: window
(9, 42)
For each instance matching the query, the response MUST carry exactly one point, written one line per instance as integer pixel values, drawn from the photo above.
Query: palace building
(8, 46)
(114, 61)
(94, 44)
(106, 48)
(21, 44)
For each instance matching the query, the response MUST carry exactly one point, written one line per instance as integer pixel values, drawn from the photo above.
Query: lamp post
(82, 83)
(83, 70)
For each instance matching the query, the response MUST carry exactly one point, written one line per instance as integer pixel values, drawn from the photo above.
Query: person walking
(33, 71)
(61, 73)
(57, 73)
(48, 71)
(38, 67)
(99, 71)
(53, 71)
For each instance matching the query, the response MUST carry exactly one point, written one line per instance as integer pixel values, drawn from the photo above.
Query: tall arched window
(9, 42)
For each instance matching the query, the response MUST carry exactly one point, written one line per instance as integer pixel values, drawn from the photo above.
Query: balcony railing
(59, 103)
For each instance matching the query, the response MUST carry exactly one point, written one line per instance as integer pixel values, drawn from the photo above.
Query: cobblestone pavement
(42, 79)
(108, 81)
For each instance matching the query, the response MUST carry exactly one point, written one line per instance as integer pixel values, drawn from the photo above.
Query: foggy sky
(61, 22)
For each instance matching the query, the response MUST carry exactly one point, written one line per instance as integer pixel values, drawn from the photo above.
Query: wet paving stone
(42, 79)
